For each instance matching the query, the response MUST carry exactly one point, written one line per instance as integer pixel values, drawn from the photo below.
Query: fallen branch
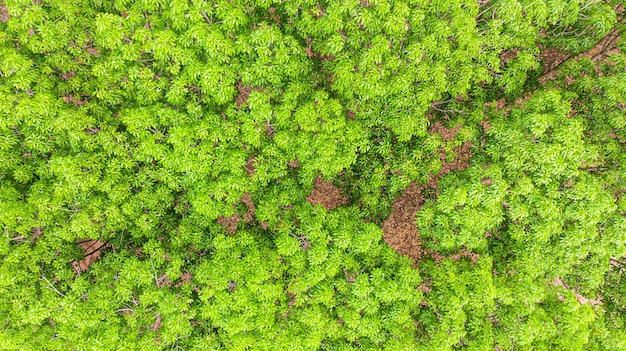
(605, 47)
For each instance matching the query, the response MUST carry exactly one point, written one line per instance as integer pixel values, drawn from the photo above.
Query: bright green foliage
(539, 208)
(145, 124)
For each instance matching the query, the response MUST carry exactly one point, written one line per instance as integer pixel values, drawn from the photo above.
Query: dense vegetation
(304, 175)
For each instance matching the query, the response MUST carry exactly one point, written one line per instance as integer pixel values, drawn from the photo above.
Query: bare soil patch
(326, 194)
(37, 232)
(68, 75)
(77, 101)
(552, 58)
(250, 168)
(230, 223)
(4, 13)
(269, 130)
(247, 199)
(184, 279)
(446, 133)
(463, 154)
(606, 47)
(244, 93)
(93, 51)
(294, 163)
(399, 229)
(508, 55)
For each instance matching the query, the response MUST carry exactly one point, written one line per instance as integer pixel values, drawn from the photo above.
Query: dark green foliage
(186, 137)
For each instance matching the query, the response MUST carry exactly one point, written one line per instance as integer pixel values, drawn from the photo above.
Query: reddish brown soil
(162, 281)
(4, 13)
(486, 126)
(157, 323)
(463, 154)
(464, 253)
(509, 55)
(606, 46)
(523, 99)
(68, 75)
(92, 249)
(184, 279)
(269, 130)
(230, 223)
(294, 163)
(400, 231)
(274, 16)
(247, 199)
(91, 131)
(326, 194)
(76, 101)
(552, 58)
(292, 299)
(250, 168)
(244, 93)
(446, 133)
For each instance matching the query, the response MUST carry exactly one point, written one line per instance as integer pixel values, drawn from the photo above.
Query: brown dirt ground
(163, 280)
(250, 168)
(184, 278)
(76, 101)
(4, 13)
(249, 215)
(68, 75)
(230, 223)
(399, 229)
(274, 16)
(326, 194)
(92, 249)
(157, 323)
(269, 130)
(446, 133)
(294, 163)
(508, 55)
(486, 126)
(552, 58)
(93, 51)
(244, 93)
(463, 154)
